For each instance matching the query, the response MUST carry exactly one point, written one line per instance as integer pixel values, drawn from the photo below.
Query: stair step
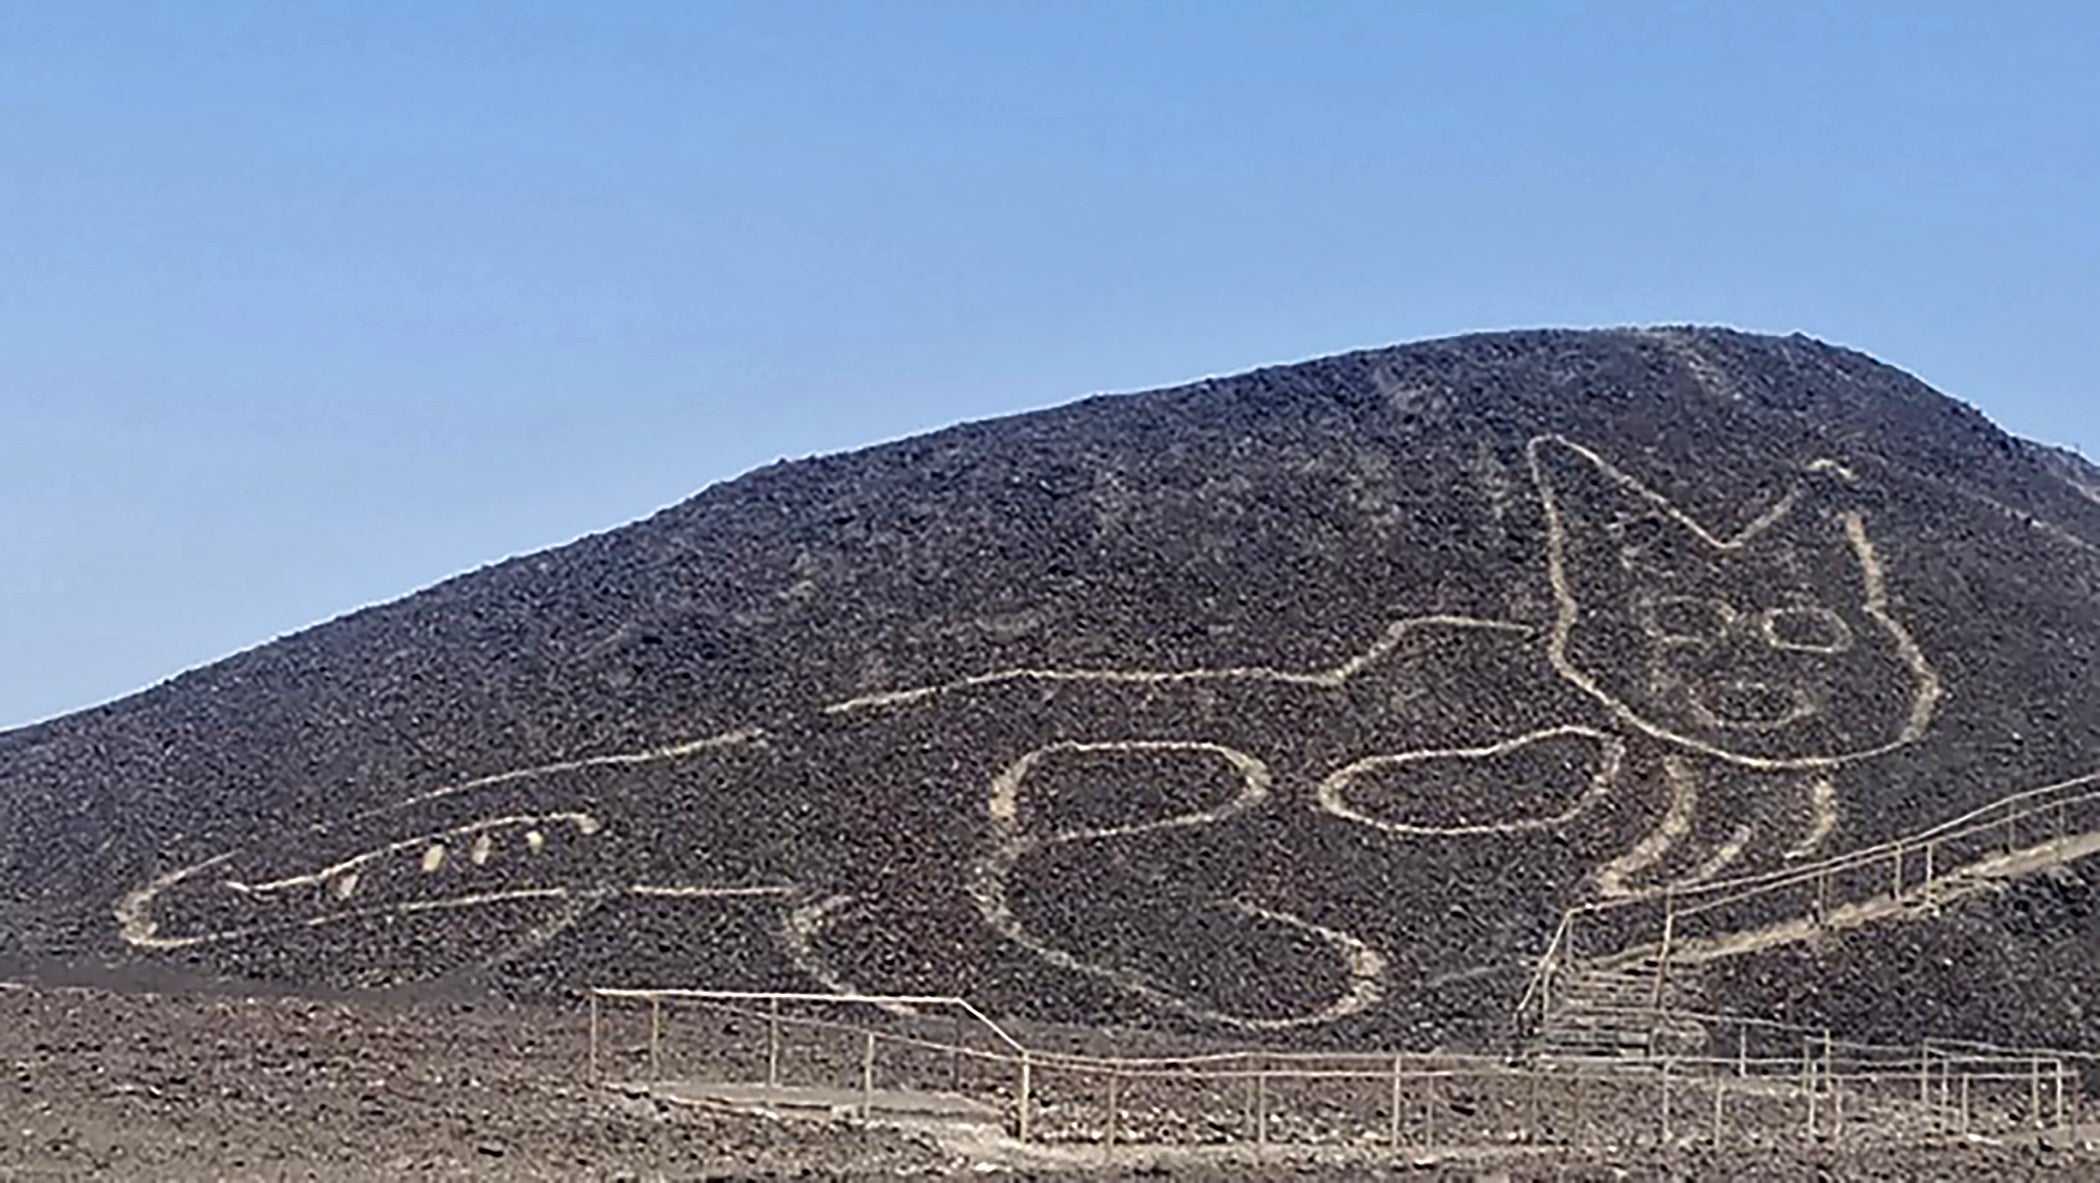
(1620, 1039)
(1589, 1023)
(1627, 1020)
(1625, 1037)
(1617, 1012)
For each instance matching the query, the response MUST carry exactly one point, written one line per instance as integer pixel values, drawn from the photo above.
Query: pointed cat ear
(1606, 524)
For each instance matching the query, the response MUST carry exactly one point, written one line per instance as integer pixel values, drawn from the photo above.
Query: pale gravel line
(1723, 857)
(1569, 615)
(1823, 819)
(690, 747)
(1388, 641)
(1363, 966)
(708, 893)
(1332, 792)
(585, 824)
(1675, 824)
(1951, 885)
(800, 929)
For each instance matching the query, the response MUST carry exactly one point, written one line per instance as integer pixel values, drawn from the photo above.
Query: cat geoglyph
(1729, 678)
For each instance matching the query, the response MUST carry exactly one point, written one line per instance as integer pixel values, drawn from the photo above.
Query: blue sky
(306, 306)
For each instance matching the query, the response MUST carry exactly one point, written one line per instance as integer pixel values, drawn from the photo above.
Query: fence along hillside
(1667, 932)
(947, 1061)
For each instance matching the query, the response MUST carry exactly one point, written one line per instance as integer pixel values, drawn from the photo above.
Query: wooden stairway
(1610, 1010)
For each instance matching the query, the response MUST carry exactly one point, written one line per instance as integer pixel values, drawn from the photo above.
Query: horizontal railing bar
(1699, 899)
(1895, 1067)
(962, 1004)
(646, 993)
(1979, 821)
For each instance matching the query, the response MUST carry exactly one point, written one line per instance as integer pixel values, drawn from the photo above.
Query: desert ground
(137, 1084)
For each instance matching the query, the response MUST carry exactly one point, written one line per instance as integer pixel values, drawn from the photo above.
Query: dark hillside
(2075, 470)
(1296, 702)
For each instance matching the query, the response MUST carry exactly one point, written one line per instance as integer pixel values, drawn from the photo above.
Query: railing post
(2034, 1092)
(1553, 976)
(1837, 1103)
(1830, 1079)
(1666, 1103)
(1718, 1080)
(1965, 1104)
(594, 1036)
(1021, 1108)
(1109, 1139)
(1662, 960)
(656, 1036)
(2077, 1109)
(867, 1078)
(1896, 875)
(2060, 1099)
(955, 1039)
(1808, 1083)
(1533, 1122)
(1429, 1093)
(1929, 848)
(773, 1046)
(1397, 1099)
(1742, 1049)
(1261, 1109)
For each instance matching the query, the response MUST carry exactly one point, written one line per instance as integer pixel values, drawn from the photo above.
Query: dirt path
(95, 1084)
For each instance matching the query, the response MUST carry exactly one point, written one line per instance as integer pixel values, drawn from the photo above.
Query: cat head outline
(1772, 648)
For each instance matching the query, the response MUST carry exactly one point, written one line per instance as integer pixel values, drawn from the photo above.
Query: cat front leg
(1722, 822)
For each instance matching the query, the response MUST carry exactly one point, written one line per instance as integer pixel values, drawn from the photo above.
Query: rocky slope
(1295, 705)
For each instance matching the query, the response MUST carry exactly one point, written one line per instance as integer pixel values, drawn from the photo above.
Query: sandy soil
(163, 1086)
(133, 1085)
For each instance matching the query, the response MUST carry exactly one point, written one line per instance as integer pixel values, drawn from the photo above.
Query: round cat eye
(1807, 630)
(1690, 619)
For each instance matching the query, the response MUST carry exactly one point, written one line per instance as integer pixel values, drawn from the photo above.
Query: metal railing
(1921, 869)
(1372, 1102)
